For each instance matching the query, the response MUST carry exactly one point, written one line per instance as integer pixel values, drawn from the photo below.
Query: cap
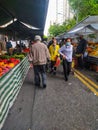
(37, 37)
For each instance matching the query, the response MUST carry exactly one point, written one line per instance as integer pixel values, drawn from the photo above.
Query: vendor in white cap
(40, 54)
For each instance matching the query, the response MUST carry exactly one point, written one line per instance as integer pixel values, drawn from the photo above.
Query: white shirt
(67, 51)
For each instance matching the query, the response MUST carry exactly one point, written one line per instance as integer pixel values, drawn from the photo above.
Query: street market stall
(10, 84)
(87, 27)
(92, 58)
(19, 20)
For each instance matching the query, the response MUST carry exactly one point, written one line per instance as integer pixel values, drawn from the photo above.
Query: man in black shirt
(81, 48)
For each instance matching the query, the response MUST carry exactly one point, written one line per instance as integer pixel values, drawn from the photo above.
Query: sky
(51, 15)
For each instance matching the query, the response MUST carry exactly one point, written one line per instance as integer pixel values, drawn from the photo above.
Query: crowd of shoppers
(41, 53)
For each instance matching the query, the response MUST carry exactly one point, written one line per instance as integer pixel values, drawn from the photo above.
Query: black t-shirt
(8, 45)
(81, 46)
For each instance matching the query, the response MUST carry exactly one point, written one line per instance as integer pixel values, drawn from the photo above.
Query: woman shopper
(54, 52)
(66, 51)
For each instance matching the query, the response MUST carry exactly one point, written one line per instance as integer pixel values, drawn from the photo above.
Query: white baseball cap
(37, 37)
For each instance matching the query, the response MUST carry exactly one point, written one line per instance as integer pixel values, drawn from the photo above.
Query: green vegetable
(17, 56)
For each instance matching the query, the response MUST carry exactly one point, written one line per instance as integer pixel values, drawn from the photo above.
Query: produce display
(9, 62)
(92, 49)
(27, 50)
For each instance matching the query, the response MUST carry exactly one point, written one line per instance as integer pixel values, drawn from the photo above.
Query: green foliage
(57, 29)
(70, 24)
(45, 37)
(83, 8)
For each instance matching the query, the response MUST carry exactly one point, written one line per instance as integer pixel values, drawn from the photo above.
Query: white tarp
(7, 24)
(76, 30)
(12, 21)
(87, 26)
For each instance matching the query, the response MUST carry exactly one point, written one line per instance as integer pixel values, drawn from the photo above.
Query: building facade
(63, 11)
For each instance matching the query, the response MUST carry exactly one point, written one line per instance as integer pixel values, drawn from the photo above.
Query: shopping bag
(58, 61)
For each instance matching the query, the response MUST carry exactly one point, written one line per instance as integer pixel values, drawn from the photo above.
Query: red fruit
(0, 70)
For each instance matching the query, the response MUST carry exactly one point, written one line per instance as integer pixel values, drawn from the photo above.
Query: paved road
(91, 74)
(61, 106)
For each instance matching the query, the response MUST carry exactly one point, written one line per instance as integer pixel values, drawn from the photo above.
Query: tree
(57, 29)
(83, 8)
(70, 23)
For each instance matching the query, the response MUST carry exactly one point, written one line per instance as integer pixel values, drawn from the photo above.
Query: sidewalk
(61, 106)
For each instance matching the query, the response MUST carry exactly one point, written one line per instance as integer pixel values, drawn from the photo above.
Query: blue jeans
(39, 70)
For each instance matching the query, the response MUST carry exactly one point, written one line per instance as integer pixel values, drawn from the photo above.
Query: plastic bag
(58, 61)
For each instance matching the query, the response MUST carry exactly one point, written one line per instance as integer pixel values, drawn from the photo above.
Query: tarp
(20, 30)
(87, 26)
(31, 12)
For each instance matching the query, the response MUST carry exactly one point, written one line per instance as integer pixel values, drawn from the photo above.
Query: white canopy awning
(87, 26)
(76, 30)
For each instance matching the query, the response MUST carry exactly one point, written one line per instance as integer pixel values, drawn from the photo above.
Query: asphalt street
(61, 106)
